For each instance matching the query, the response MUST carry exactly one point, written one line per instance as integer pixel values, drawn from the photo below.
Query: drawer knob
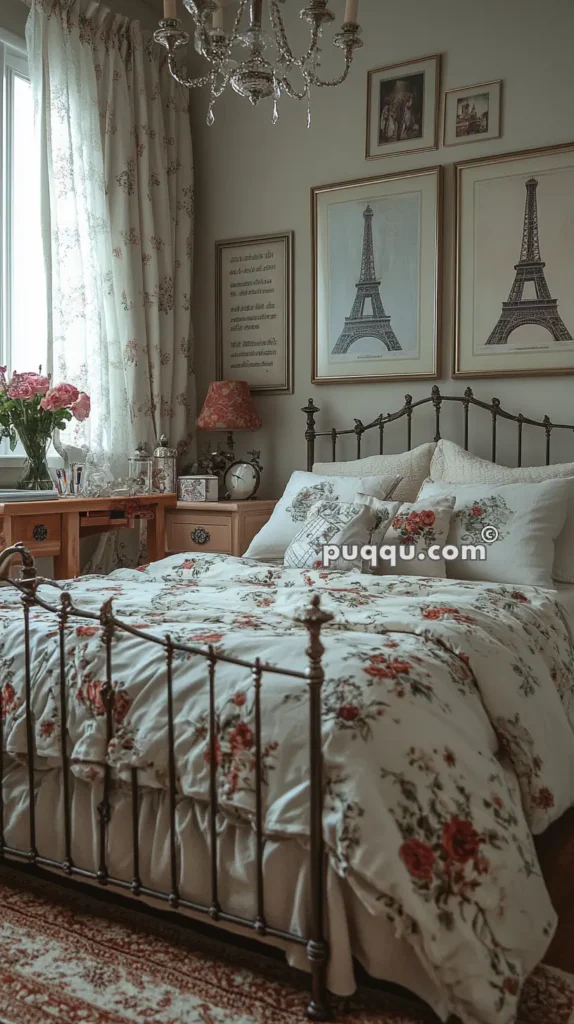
(200, 535)
(40, 532)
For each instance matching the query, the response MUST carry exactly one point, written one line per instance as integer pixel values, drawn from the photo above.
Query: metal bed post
(317, 949)
(310, 409)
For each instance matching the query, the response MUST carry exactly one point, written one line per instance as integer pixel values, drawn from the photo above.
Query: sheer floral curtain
(116, 156)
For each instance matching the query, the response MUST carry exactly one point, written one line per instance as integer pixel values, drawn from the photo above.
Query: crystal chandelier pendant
(257, 77)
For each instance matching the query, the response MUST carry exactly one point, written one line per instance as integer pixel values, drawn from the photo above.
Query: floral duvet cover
(447, 736)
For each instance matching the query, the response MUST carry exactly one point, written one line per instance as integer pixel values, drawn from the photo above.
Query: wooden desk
(54, 528)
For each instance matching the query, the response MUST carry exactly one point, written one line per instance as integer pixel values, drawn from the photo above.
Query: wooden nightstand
(225, 527)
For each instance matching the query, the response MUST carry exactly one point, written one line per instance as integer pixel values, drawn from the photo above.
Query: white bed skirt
(352, 931)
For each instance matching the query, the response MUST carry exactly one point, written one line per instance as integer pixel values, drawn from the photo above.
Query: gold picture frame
(259, 308)
(413, 89)
(351, 221)
(486, 100)
(508, 198)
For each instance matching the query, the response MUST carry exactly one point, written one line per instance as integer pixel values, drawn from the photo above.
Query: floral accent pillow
(518, 524)
(301, 493)
(329, 522)
(417, 532)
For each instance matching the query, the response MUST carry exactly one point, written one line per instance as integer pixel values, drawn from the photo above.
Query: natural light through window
(23, 330)
(28, 305)
(23, 319)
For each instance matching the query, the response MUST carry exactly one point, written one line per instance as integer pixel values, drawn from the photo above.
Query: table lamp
(228, 406)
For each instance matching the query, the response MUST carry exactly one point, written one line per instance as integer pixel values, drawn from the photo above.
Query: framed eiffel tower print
(375, 278)
(515, 264)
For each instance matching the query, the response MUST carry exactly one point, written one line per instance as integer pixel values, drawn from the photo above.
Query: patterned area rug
(66, 958)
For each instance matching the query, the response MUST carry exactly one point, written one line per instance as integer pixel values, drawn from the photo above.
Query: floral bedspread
(447, 736)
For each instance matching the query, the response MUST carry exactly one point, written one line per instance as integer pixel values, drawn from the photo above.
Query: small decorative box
(198, 488)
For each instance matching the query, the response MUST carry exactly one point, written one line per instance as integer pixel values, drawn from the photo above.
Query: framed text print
(376, 258)
(402, 107)
(515, 264)
(254, 312)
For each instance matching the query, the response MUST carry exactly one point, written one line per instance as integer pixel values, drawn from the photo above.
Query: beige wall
(254, 177)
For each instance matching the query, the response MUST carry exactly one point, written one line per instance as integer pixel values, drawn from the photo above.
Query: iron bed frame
(406, 412)
(313, 621)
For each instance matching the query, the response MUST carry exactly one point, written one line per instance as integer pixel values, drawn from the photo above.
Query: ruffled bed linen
(447, 735)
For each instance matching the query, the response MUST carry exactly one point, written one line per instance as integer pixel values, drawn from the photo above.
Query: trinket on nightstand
(198, 488)
(164, 467)
(140, 468)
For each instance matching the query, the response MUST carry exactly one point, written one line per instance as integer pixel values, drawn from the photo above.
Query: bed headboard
(406, 412)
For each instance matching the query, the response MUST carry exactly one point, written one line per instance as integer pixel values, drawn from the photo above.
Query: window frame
(13, 62)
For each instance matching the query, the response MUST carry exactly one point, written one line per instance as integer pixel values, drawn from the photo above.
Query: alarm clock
(241, 480)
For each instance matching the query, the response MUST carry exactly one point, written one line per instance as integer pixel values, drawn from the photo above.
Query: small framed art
(514, 264)
(402, 107)
(376, 259)
(472, 113)
(254, 312)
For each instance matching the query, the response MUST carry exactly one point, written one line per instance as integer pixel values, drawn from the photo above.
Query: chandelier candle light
(258, 75)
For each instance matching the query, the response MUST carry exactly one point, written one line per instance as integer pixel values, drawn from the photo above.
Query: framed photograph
(515, 264)
(376, 258)
(254, 312)
(402, 108)
(472, 114)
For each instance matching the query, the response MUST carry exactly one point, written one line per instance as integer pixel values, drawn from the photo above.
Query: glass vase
(35, 474)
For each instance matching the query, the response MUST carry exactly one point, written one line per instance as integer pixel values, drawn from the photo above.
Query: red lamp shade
(228, 406)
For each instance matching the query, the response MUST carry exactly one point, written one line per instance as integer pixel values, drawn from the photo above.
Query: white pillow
(350, 522)
(413, 467)
(301, 493)
(528, 517)
(452, 463)
(417, 525)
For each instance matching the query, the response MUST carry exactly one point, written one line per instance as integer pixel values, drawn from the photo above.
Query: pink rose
(60, 397)
(3, 376)
(19, 388)
(37, 382)
(82, 406)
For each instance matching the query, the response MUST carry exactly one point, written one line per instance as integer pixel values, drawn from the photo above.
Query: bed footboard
(65, 612)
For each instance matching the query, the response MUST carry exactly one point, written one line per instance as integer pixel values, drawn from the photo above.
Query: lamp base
(230, 453)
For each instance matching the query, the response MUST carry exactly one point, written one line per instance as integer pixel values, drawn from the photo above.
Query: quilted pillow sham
(413, 467)
(527, 519)
(301, 493)
(453, 464)
(337, 522)
(417, 529)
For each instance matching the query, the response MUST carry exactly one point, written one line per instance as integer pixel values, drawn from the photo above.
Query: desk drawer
(194, 531)
(41, 534)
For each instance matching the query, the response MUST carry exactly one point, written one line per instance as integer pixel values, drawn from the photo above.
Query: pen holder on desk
(70, 482)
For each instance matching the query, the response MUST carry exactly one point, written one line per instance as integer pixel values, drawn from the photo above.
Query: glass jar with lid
(165, 467)
(141, 468)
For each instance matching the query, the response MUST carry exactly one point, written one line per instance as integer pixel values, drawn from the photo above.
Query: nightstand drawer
(193, 531)
(42, 535)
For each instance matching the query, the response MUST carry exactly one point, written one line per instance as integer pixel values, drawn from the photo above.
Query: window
(23, 320)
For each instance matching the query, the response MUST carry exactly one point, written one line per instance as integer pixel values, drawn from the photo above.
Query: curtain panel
(118, 210)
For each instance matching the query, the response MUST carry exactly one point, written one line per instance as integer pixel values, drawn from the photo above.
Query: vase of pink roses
(31, 409)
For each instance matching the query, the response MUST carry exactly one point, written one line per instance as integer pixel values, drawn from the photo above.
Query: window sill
(17, 461)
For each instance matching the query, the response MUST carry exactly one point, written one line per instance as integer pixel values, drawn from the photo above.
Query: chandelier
(270, 68)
